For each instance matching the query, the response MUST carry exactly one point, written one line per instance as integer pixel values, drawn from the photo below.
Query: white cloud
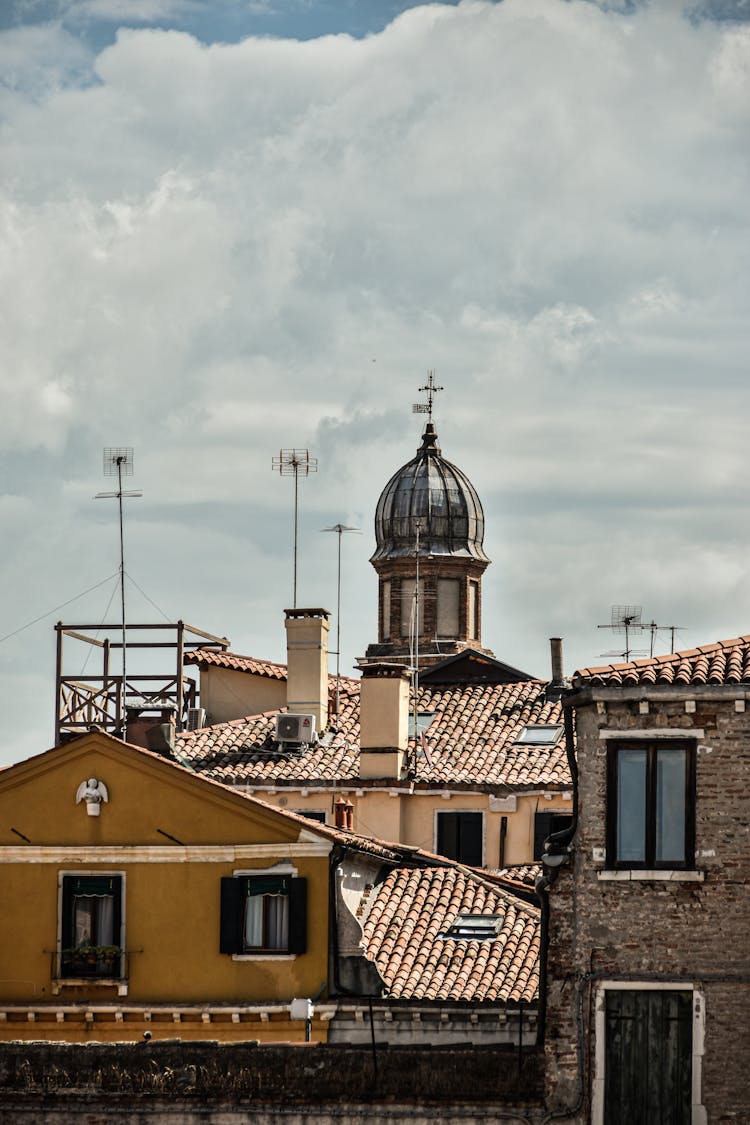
(211, 253)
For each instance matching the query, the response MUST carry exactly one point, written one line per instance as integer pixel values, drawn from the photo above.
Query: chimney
(343, 814)
(556, 657)
(307, 663)
(383, 719)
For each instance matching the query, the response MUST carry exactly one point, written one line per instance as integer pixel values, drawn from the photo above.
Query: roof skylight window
(475, 927)
(540, 734)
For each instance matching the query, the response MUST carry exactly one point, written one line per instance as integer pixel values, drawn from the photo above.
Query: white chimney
(307, 663)
(383, 720)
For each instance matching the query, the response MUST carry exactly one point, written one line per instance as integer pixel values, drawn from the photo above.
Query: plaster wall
(226, 694)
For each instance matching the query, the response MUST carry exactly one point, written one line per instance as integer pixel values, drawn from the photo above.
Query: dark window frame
(234, 892)
(98, 960)
(651, 747)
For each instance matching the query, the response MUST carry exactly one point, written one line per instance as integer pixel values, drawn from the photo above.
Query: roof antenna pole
(292, 462)
(119, 462)
(339, 528)
(416, 638)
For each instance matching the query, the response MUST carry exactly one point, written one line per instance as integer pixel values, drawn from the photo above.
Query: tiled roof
(724, 662)
(409, 911)
(470, 742)
(209, 657)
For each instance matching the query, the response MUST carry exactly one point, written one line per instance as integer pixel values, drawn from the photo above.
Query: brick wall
(691, 933)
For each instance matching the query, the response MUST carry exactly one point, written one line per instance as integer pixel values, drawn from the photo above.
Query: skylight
(540, 734)
(476, 927)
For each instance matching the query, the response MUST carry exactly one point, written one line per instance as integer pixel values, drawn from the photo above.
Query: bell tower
(429, 558)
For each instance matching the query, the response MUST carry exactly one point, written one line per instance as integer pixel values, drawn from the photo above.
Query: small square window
(317, 815)
(476, 927)
(539, 734)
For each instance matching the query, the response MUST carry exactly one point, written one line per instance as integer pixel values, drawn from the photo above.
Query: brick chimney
(384, 720)
(307, 663)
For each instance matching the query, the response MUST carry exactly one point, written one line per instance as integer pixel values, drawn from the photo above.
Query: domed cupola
(430, 496)
(429, 556)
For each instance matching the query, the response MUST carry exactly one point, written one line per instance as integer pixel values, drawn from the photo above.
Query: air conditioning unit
(295, 728)
(196, 718)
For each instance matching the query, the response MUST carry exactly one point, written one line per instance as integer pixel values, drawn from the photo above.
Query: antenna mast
(118, 462)
(339, 528)
(626, 619)
(292, 462)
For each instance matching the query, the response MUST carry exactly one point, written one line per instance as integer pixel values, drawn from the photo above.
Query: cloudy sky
(235, 226)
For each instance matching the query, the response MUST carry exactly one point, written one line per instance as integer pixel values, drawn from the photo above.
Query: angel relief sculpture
(93, 792)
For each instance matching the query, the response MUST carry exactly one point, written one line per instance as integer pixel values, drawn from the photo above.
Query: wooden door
(648, 1057)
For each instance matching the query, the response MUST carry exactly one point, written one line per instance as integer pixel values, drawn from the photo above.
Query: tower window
(386, 612)
(448, 592)
(473, 611)
(408, 607)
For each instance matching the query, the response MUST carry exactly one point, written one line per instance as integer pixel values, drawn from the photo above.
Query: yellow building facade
(142, 900)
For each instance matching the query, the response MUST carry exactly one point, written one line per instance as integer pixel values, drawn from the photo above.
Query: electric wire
(55, 609)
(148, 599)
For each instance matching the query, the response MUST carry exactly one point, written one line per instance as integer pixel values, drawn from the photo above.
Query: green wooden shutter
(447, 836)
(232, 909)
(470, 838)
(298, 915)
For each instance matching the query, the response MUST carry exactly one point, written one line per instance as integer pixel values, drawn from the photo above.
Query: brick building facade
(648, 969)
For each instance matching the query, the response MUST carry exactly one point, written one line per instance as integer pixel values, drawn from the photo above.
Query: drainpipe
(558, 847)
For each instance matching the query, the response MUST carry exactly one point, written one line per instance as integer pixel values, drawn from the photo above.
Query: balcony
(98, 965)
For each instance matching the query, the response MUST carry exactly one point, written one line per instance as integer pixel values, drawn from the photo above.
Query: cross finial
(431, 390)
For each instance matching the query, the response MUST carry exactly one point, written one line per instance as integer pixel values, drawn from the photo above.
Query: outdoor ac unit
(295, 728)
(196, 718)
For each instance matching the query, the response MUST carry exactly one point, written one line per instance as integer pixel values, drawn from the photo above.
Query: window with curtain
(90, 937)
(263, 914)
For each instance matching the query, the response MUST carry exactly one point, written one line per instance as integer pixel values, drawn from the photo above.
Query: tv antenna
(430, 389)
(117, 461)
(293, 462)
(625, 620)
(339, 528)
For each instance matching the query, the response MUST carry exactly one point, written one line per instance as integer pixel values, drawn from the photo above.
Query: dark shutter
(66, 933)
(545, 823)
(232, 904)
(298, 915)
(447, 835)
(470, 838)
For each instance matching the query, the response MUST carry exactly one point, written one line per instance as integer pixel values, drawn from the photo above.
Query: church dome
(430, 493)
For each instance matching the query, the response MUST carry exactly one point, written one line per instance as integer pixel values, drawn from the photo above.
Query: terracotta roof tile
(724, 662)
(410, 911)
(471, 741)
(209, 657)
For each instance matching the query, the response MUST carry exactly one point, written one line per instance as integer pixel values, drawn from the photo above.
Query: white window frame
(698, 1111)
(277, 869)
(59, 983)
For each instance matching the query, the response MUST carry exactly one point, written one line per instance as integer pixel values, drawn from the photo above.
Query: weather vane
(431, 390)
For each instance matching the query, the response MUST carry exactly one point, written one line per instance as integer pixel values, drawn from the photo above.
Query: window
(459, 836)
(651, 804)
(539, 734)
(448, 592)
(263, 914)
(312, 814)
(90, 929)
(473, 611)
(385, 632)
(478, 927)
(408, 606)
(545, 823)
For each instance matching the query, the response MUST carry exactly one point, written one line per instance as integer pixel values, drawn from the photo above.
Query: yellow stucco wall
(226, 694)
(171, 897)
(410, 818)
